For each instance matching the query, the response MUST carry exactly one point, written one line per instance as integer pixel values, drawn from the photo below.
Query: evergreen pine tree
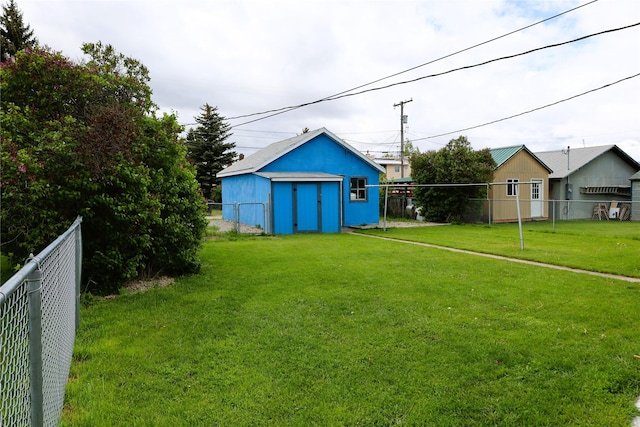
(14, 34)
(207, 148)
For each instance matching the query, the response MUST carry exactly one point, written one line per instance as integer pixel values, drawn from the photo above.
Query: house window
(512, 187)
(358, 189)
(396, 169)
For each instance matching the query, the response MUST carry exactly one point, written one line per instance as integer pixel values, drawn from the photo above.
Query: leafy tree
(410, 149)
(456, 163)
(207, 149)
(177, 232)
(14, 34)
(83, 139)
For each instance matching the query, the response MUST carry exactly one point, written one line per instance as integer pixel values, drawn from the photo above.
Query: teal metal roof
(501, 155)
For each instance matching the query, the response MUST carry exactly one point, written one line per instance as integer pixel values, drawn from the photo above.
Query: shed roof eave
(300, 176)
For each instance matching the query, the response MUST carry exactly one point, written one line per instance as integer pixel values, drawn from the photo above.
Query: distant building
(518, 172)
(588, 176)
(393, 166)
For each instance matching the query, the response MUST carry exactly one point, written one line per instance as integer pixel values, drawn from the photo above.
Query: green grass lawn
(603, 246)
(346, 330)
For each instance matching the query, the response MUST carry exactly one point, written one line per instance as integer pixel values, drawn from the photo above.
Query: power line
(282, 110)
(266, 131)
(529, 111)
(368, 143)
(466, 67)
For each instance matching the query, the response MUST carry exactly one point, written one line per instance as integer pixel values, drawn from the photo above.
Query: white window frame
(512, 187)
(358, 193)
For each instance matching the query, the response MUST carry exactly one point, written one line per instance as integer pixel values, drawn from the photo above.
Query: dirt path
(521, 261)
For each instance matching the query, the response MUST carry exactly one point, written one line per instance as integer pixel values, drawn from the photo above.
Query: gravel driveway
(225, 226)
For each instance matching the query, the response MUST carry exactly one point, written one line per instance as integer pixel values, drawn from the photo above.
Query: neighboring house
(519, 173)
(312, 183)
(588, 176)
(635, 197)
(393, 167)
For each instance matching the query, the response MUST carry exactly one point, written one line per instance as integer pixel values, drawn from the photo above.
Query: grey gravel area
(224, 226)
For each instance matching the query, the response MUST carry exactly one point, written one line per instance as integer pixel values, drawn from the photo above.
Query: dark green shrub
(84, 139)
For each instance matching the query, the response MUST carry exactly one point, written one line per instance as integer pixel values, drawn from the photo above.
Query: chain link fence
(601, 210)
(39, 315)
(243, 218)
(505, 210)
(399, 202)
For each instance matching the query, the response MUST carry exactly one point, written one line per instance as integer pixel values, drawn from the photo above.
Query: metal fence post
(34, 290)
(78, 242)
(386, 198)
(489, 202)
(519, 216)
(236, 217)
(267, 216)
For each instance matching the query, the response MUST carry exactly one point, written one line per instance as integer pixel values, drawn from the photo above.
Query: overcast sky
(248, 56)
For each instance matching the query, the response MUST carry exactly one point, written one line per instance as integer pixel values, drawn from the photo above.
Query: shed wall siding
(524, 168)
(608, 169)
(246, 190)
(635, 197)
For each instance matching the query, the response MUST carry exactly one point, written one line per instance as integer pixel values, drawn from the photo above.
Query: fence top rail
(236, 203)
(33, 263)
(470, 184)
(251, 203)
(14, 282)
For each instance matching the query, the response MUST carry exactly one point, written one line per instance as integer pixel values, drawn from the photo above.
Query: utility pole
(403, 120)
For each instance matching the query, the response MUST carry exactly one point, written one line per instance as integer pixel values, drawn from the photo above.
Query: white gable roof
(270, 153)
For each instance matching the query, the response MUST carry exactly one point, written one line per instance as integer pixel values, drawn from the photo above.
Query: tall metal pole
(519, 216)
(401, 104)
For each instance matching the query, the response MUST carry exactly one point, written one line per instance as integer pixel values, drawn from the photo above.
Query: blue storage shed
(312, 183)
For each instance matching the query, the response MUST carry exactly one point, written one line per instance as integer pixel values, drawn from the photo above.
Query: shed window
(358, 189)
(512, 187)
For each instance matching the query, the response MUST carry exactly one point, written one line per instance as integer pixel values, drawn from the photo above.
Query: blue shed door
(330, 193)
(307, 208)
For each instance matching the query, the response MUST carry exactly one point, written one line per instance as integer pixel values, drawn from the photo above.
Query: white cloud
(246, 56)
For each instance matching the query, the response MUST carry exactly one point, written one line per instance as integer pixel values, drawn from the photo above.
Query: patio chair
(600, 211)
